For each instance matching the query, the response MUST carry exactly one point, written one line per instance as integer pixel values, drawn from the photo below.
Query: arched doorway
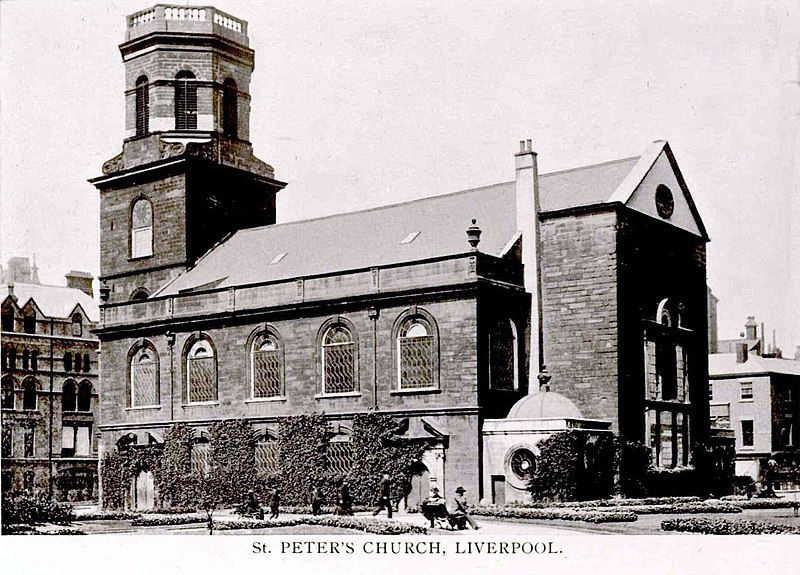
(143, 491)
(420, 485)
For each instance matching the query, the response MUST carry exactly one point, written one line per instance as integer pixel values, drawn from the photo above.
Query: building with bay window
(439, 312)
(49, 385)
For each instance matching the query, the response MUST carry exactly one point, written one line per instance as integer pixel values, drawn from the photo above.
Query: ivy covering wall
(376, 443)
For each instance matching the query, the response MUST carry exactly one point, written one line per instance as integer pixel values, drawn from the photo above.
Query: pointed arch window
(201, 372)
(144, 384)
(77, 325)
(185, 101)
(416, 354)
(142, 106)
(230, 108)
(29, 321)
(338, 360)
(69, 396)
(8, 319)
(141, 228)
(266, 366)
(29, 394)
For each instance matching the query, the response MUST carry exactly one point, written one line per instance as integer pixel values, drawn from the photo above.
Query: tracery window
(338, 360)
(503, 355)
(185, 101)
(142, 106)
(141, 228)
(201, 372)
(416, 354)
(144, 381)
(266, 365)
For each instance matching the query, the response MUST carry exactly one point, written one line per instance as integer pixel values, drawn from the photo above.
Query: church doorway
(143, 491)
(420, 485)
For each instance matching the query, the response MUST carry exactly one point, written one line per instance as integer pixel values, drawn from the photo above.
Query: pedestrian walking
(384, 493)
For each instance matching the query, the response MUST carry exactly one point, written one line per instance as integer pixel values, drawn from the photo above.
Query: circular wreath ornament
(665, 203)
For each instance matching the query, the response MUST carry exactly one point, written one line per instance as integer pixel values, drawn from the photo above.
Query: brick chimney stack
(81, 280)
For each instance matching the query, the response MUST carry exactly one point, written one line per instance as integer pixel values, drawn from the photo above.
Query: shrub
(677, 481)
(632, 460)
(687, 508)
(609, 503)
(726, 527)
(108, 516)
(591, 516)
(169, 520)
(34, 510)
(368, 525)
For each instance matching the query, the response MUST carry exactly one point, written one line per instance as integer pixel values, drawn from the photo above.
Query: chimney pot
(529, 145)
(521, 146)
(741, 352)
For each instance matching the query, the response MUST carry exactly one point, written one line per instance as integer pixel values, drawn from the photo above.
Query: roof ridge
(608, 163)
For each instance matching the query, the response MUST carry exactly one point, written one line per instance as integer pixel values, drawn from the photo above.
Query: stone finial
(544, 379)
(105, 292)
(474, 234)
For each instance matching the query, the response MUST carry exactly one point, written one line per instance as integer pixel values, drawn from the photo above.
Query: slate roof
(724, 364)
(56, 301)
(373, 237)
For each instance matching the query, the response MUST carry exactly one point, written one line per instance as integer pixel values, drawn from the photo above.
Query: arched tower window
(144, 384)
(85, 396)
(29, 394)
(230, 108)
(185, 101)
(338, 360)
(266, 366)
(201, 372)
(69, 396)
(141, 228)
(142, 106)
(416, 354)
(8, 392)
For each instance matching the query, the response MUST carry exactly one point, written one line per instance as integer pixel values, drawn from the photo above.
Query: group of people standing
(434, 506)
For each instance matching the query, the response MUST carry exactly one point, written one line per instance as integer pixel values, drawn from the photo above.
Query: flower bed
(108, 516)
(607, 502)
(169, 520)
(368, 525)
(325, 509)
(767, 504)
(588, 515)
(726, 527)
(22, 529)
(678, 508)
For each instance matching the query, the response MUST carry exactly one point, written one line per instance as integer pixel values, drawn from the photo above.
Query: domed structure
(544, 405)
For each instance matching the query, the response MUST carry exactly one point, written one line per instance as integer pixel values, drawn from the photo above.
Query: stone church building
(440, 311)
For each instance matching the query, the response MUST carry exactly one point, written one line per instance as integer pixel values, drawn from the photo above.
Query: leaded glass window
(144, 378)
(267, 456)
(201, 373)
(142, 229)
(339, 455)
(201, 458)
(267, 367)
(503, 355)
(338, 361)
(416, 355)
(185, 102)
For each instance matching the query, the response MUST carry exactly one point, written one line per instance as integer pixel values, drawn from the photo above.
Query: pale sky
(359, 104)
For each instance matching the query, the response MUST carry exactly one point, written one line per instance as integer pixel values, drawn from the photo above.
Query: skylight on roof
(278, 258)
(410, 238)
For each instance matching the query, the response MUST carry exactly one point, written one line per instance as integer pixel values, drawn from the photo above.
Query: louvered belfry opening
(230, 109)
(142, 106)
(185, 102)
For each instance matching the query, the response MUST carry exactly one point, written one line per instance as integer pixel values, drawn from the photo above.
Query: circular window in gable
(665, 203)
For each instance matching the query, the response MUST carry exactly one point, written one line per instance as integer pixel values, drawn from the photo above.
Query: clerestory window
(185, 101)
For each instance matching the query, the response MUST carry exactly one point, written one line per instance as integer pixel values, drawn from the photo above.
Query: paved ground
(645, 525)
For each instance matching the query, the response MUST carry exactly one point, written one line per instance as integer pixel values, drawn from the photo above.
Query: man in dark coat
(316, 500)
(461, 507)
(345, 503)
(274, 503)
(384, 493)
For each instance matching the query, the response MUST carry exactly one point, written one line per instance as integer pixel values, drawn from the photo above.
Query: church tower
(186, 177)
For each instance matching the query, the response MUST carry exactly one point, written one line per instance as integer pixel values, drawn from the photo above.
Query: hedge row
(34, 510)
(168, 520)
(612, 503)
(766, 504)
(678, 508)
(726, 527)
(367, 525)
(590, 516)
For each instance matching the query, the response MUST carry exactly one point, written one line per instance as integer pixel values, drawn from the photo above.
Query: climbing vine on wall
(301, 452)
(173, 482)
(118, 470)
(232, 458)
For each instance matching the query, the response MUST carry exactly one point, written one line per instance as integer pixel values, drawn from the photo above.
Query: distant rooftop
(54, 301)
(724, 364)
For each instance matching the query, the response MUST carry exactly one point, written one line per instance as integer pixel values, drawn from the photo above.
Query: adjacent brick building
(49, 385)
(213, 311)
